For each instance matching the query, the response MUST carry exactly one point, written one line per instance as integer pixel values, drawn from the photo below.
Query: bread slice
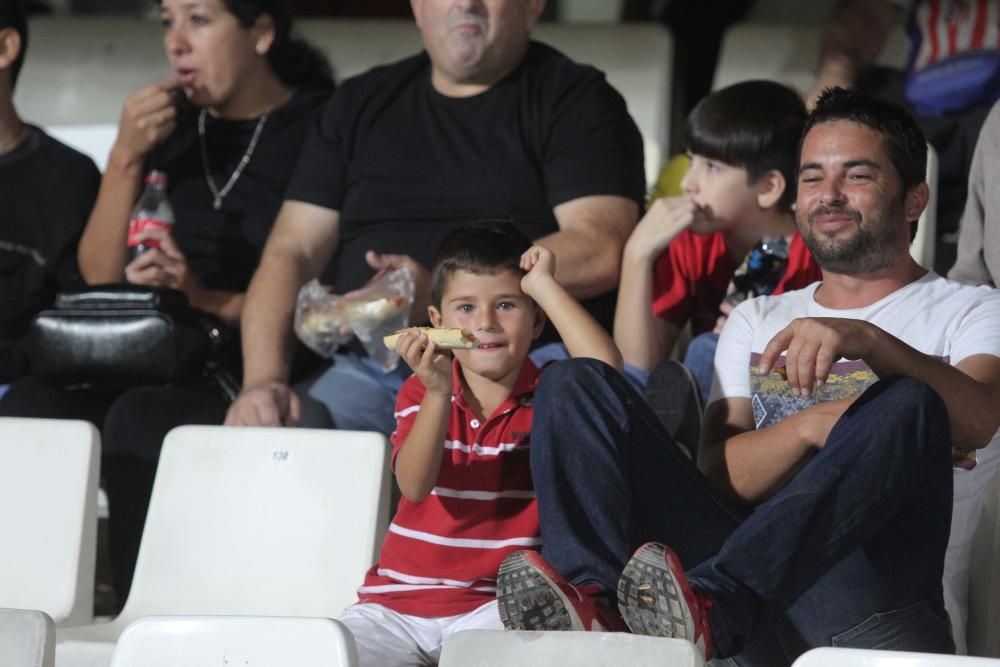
(445, 338)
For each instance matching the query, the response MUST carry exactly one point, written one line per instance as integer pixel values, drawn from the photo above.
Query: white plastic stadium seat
(500, 648)
(255, 521)
(79, 69)
(27, 638)
(853, 657)
(49, 470)
(234, 641)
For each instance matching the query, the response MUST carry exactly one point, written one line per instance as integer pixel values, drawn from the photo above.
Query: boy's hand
(662, 223)
(540, 265)
(432, 367)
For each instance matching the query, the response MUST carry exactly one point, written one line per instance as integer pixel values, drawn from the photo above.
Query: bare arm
(971, 389)
(301, 243)
(644, 339)
(749, 465)
(580, 332)
(148, 117)
(852, 39)
(419, 460)
(588, 245)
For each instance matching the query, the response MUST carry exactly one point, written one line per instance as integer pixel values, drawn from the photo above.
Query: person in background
(460, 446)
(679, 262)
(226, 128)
(46, 192)
(978, 260)
(485, 124)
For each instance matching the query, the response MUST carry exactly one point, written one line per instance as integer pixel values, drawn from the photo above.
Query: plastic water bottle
(761, 270)
(152, 211)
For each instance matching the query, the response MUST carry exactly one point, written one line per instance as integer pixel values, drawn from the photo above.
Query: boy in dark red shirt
(460, 448)
(680, 260)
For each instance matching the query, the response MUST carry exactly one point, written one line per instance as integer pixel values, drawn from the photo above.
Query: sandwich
(444, 338)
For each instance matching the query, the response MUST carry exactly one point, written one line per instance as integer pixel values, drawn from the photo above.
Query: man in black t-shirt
(484, 124)
(46, 193)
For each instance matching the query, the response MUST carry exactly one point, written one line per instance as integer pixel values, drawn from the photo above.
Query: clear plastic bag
(325, 321)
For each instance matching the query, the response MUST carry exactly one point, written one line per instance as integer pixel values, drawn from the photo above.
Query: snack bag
(325, 321)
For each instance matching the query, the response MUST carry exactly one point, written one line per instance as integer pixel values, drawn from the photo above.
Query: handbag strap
(121, 296)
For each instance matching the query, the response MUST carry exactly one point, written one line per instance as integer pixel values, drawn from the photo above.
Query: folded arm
(970, 389)
(588, 245)
(853, 37)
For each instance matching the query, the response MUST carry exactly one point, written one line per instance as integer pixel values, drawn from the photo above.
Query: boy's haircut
(905, 143)
(754, 125)
(12, 15)
(484, 247)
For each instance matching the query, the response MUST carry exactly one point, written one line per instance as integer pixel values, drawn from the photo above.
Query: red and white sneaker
(655, 598)
(533, 596)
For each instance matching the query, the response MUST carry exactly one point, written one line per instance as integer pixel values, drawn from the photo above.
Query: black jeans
(133, 423)
(849, 553)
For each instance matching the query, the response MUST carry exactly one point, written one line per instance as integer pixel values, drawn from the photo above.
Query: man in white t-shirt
(837, 413)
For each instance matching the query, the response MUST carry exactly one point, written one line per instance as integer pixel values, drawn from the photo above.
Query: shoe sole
(676, 401)
(650, 597)
(530, 600)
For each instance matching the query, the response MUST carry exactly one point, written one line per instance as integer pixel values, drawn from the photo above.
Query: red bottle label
(139, 225)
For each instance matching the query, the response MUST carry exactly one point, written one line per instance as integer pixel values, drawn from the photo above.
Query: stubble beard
(871, 248)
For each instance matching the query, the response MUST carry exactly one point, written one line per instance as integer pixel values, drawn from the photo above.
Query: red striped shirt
(942, 29)
(441, 555)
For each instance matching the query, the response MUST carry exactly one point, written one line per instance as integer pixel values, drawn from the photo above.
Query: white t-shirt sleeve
(731, 376)
(979, 330)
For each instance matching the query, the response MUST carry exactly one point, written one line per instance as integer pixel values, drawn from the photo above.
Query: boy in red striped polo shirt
(460, 448)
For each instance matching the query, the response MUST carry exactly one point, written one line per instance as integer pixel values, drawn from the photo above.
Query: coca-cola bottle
(152, 211)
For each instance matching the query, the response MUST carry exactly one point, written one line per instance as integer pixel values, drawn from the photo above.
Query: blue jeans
(700, 360)
(354, 394)
(849, 553)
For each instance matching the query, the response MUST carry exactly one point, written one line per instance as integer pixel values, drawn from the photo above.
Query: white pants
(386, 638)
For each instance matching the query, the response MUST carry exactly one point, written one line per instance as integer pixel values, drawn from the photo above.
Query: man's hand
(421, 279)
(814, 344)
(266, 404)
(430, 365)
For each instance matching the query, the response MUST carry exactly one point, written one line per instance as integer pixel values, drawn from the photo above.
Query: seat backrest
(489, 648)
(27, 638)
(234, 641)
(261, 521)
(853, 657)
(49, 472)
(79, 69)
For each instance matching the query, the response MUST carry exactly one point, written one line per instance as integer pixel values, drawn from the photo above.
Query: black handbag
(122, 335)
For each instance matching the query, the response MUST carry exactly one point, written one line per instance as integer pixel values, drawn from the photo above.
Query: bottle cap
(156, 177)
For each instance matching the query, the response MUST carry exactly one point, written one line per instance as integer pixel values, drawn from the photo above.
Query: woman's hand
(431, 366)
(163, 266)
(148, 117)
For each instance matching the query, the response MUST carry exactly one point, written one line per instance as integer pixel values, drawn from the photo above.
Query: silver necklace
(244, 161)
